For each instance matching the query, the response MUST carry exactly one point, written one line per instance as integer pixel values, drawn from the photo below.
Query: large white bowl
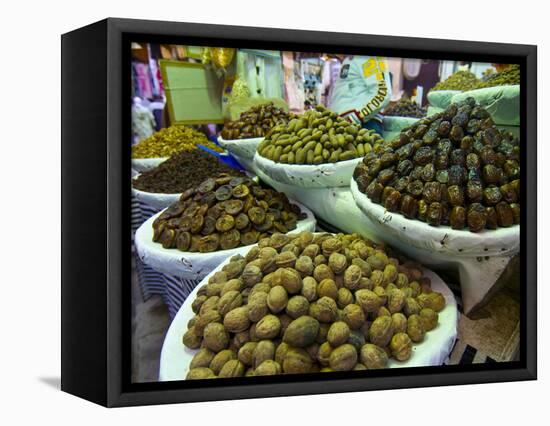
(308, 176)
(242, 148)
(441, 239)
(193, 265)
(159, 200)
(154, 199)
(434, 350)
(144, 164)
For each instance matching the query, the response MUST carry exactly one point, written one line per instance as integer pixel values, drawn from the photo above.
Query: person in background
(143, 121)
(362, 90)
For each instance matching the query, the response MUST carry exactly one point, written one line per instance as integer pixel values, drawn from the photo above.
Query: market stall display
(460, 80)
(317, 149)
(478, 258)
(158, 147)
(242, 149)
(208, 222)
(507, 77)
(256, 122)
(223, 213)
(318, 136)
(502, 102)
(163, 185)
(404, 107)
(338, 207)
(307, 303)
(498, 93)
(183, 170)
(454, 169)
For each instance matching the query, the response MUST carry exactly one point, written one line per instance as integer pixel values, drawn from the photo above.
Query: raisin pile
(183, 170)
(454, 168)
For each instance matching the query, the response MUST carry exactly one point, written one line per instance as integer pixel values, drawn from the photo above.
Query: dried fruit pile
(182, 171)
(317, 136)
(170, 140)
(306, 303)
(465, 80)
(453, 168)
(460, 80)
(508, 76)
(255, 122)
(405, 107)
(223, 213)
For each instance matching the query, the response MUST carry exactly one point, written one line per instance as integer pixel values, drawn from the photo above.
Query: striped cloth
(173, 290)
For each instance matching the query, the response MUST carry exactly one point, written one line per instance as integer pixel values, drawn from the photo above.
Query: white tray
(434, 350)
(325, 175)
(189, 265)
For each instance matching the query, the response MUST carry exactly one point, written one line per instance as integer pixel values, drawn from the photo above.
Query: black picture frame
(96, 258)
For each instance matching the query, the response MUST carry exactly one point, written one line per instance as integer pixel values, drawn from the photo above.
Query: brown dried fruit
(399, 322)
(221, 359)
(297, 306)
(277, 299)
(401, 346)
(200, 373)
(368, 300)
(415, 328)
(354, 316)
(296, 361)
(338, 333)
(381, 331)
(343, 358)
(324, 310)
(373, 357)
(265, 349)
(429, 318)
(237, 320)
(268, 327)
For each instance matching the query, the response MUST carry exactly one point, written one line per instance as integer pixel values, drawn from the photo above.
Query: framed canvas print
(255, 212)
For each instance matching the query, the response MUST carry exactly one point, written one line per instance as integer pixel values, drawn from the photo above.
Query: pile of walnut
(305, 303)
